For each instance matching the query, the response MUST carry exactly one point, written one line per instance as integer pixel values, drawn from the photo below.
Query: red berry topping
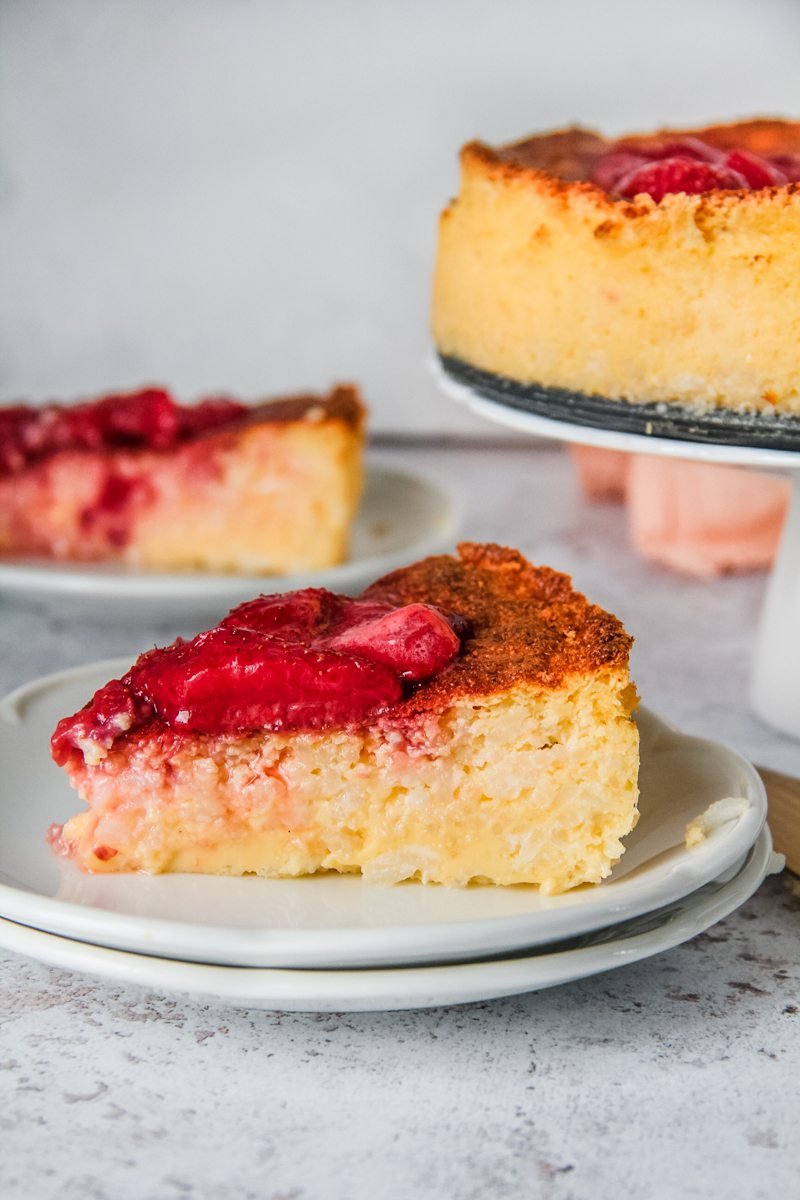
(305, 660)
(146, 418)
(229, 680)
(687, 147)
(149, 419)
(111, 712)
(758, 172)
(416, 641)
(616, 165)
(298, 616)
(667, 175)
(788, 165)
(688, 165)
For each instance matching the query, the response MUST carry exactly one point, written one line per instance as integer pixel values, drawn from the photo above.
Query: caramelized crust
(342, 403)
(570, 155)
(527, 624)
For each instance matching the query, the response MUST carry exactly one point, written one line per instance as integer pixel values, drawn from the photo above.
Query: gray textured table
(676, 1077)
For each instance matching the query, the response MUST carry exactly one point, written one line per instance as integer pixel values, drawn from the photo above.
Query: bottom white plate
(409, 987)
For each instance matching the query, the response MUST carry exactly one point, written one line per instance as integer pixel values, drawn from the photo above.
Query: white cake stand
(775, 689)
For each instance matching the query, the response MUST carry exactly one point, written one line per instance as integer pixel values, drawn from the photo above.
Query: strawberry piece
(148, 419)
(309, 659)
(416, 641)
(627, 157)
(614, 166)
(295, 616)
(112, 711)
(686, 147)
(658, 168)
(758, 172)
(668, 175)
(788, 165)
(230, 680)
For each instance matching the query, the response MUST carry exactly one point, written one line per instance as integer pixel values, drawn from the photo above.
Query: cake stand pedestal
(775, 688)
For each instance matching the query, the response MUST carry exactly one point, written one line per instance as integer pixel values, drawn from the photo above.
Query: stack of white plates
(333, 943)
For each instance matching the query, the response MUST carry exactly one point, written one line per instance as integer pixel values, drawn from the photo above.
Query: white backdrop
(242, 194)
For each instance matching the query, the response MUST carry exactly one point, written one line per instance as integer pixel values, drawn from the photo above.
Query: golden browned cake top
(342, 403)
(572, 153)
(527, 624)
(573, 162)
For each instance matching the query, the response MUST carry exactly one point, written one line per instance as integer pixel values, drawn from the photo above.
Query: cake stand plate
(775, 689)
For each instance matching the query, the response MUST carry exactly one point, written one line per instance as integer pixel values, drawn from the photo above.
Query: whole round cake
(662, 270)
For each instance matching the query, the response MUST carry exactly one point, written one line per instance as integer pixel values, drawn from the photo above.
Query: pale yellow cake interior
(281, 500)
(526, 786)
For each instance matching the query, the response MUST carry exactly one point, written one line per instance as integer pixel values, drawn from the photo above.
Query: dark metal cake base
(724, 427)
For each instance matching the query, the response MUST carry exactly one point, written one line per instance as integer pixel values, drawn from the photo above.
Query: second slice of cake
(467, 719)
(216, 486)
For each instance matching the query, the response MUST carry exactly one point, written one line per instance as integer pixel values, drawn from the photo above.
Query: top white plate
(339, 921)
(609, 439)
(402, 517)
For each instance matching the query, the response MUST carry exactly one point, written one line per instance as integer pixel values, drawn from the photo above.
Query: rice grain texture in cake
(466, 719)
(658, 268)
(217, 486)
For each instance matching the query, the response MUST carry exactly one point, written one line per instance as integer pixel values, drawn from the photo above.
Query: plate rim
(290, 989)
(116, 582)
(130, 932)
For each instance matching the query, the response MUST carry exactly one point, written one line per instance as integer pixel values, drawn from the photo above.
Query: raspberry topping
(112, 711)
(304, 660)
(687, 147)
(759, 172)
(415, 642)
(149, 419)
(229, 680)
(667, 175)
(789, 164)
(688, 165)
(617, 165)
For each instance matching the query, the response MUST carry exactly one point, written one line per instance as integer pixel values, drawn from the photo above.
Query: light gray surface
(675, 1077)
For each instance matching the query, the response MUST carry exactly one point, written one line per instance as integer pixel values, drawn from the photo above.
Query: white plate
(402, 517)
(339, 921)
(608, 439)
(407, 987)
